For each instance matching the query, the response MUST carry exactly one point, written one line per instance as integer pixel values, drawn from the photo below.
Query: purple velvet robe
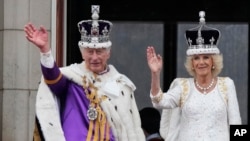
(73, 105)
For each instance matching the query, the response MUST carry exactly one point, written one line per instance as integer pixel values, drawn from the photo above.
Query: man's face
(96, 59)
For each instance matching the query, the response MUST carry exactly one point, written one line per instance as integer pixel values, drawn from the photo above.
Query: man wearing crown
(90, 101)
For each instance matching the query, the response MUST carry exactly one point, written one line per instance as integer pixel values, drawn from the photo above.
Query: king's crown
(95, 33)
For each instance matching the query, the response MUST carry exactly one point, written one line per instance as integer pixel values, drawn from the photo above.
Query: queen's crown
(202, 39)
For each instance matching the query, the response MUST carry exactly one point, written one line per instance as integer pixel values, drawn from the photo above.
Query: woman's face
(95, 59)
(202, 64)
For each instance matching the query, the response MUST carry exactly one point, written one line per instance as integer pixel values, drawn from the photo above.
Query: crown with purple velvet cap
(202, 39)
(95, 33)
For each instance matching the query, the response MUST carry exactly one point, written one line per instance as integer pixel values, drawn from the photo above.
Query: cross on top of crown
(95, 9)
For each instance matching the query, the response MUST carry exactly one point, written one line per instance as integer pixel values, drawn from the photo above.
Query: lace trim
(158, 97)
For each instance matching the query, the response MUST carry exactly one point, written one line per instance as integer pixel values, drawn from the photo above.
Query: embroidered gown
(203, 117)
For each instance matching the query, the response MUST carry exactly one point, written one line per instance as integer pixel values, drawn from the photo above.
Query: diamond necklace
(204, 89)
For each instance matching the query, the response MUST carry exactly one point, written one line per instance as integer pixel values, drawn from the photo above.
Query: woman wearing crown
(203, 106)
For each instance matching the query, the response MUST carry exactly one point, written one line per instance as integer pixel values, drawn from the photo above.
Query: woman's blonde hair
(216, 69)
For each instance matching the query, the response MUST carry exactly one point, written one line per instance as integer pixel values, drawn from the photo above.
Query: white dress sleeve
(169, 99)
(232, 103)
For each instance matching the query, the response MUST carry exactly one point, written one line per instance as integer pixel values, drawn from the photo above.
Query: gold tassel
(100, 123)
(91, 124)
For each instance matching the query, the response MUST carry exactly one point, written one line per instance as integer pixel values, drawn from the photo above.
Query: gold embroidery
(185, 89)
(223, 88)
(100, 122)
(221, 84)
(158, 98)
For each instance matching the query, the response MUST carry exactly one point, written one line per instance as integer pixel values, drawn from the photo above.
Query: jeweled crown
(95, 33)
(202, 39)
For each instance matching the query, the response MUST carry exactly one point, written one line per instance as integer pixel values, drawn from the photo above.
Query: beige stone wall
(19, 66)
(1, 63)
